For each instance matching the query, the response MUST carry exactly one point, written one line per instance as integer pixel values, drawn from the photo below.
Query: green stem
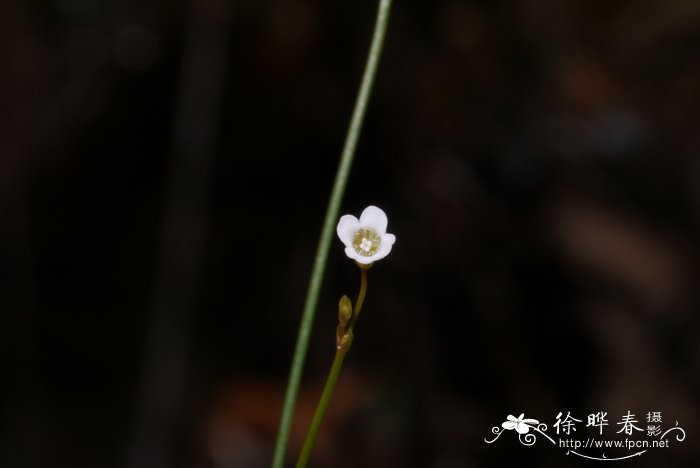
(360, 299)
(340, 353)
(321, 407)
(320, 261)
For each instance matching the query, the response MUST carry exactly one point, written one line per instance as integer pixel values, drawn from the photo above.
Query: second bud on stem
(344, 315)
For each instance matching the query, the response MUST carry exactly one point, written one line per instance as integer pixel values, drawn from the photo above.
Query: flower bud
(345, 341)
(344, 310)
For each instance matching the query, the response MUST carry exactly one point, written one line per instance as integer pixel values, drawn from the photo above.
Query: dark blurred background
(164, 172)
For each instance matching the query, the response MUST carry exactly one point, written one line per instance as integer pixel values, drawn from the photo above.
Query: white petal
(388, 239)
(384, 248)
(375, 218)
(522, 428)
(532, 422)
(511, 418)
(508, 425)
(347, 226)
(350, 252)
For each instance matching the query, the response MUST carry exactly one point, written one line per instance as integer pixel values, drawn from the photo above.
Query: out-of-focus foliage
(539, 160)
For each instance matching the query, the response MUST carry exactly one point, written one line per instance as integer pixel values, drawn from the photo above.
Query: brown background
(164, 171)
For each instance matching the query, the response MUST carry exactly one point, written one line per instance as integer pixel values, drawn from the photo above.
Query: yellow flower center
(366, 242)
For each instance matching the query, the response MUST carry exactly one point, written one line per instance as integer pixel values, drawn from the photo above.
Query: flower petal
(522, 428)
(350, 252)
(375, 218)
(512, 418)
(347, 226)
(384, 248)
(508, 425)
(532, 422)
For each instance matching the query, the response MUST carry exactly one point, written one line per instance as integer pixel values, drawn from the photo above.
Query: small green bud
(344, 310)
(345, 341)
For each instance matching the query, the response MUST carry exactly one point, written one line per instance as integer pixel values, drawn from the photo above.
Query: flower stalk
(343, 344)
(354, 233)
(348, 154)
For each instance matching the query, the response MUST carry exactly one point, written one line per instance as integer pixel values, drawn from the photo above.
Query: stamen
(366, 242)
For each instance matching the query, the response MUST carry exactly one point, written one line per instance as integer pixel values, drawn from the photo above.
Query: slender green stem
(320, 261)
(360, 300)
(328, 389)
(340, 353)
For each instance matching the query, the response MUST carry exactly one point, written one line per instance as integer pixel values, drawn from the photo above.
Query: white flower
(366, 239)
(522, 426)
